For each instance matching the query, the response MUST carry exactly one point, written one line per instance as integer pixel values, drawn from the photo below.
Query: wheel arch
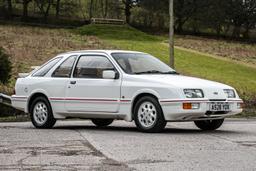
(33, 97)
(139, 96)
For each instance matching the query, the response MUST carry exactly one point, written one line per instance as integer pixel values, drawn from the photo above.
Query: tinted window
(137, 63)
(65, 69)
(46, 68)
(92, 66)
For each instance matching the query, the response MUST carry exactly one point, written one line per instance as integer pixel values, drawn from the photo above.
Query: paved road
(78, 145)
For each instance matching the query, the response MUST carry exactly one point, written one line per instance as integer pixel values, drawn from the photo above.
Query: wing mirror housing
(110, 74)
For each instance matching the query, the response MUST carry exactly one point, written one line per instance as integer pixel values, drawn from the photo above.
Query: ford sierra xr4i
(104, 85)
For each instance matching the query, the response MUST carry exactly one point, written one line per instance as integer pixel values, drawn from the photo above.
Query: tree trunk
(195, 27)
(106, 8)
(127, 11)
(57, 9)
(102, 8)
(46, 14)
(226, 30)
(91, 7)
(236, 31)
(160, 21)
(9, 6)
(180, 24)
(246, 33)
(218, 29)
(25, 9)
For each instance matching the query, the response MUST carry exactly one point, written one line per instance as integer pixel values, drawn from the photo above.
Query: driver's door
(87, 91)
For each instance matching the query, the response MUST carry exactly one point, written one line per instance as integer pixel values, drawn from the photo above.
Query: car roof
(99, 51)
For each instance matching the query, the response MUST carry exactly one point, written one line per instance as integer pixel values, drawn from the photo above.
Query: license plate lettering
(219, 107)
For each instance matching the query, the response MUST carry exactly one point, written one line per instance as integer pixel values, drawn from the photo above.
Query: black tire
(102, 122)
(49, 120)
(157, 120)
(209, 125)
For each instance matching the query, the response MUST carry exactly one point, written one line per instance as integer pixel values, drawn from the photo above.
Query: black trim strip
(217, 100)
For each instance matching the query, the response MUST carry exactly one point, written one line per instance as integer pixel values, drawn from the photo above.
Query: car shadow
(135, 130)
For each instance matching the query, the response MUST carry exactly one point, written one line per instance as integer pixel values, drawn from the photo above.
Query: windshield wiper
(170, 72)
(156, 72)
(149, 72)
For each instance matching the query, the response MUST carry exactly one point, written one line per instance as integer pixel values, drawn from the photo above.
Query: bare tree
(44, 7)
(9, 8)
(91, 8)
(25, 9)
(128, 5)
(106, 8)
(57, 14)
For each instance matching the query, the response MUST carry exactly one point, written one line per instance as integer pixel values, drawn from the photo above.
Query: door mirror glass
(109, 74)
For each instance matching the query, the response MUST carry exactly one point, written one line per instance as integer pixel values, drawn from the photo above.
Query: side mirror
(109, 74)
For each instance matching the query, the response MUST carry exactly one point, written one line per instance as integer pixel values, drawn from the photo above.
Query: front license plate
(219, 106)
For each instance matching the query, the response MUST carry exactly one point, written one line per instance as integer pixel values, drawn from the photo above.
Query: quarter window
(65, 69)
(46, 68)
(92, 66)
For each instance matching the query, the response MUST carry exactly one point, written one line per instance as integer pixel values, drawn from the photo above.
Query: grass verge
(235, 50)
(18, 118)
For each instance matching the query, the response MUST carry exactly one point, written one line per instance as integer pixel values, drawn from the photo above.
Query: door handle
(72, 82)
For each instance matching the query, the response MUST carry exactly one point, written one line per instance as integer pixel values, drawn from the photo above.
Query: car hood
(181, 81)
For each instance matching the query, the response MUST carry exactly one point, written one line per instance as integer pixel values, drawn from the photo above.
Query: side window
(92, 66)
(46, 68)
(65, 69)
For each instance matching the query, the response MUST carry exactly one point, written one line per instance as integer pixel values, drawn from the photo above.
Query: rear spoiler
(23, 75)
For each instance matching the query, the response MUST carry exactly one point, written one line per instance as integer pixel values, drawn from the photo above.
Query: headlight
(230, 93)
(193, 93)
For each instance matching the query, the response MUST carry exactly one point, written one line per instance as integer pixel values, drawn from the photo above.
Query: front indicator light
(188, 106)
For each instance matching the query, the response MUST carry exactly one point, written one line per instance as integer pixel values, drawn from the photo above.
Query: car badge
(215, 93)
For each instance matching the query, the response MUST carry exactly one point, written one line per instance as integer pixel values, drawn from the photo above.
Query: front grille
(217, 100)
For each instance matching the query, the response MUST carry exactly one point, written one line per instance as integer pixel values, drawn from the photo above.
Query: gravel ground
(78, 145)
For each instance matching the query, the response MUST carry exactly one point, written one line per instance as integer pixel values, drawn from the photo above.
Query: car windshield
(139, 63)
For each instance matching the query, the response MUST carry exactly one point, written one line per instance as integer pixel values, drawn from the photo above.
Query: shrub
(5, 67)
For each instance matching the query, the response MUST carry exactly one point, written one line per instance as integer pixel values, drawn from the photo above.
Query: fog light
(195, 105)
(191, 105)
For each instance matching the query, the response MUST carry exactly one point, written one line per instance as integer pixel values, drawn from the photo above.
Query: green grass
(117, 32)
(242, 77)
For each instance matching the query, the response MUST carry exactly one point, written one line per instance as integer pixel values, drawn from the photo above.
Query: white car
(103, 85)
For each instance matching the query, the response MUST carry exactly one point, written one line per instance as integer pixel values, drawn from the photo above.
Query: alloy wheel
(147, 114)
(40, 113)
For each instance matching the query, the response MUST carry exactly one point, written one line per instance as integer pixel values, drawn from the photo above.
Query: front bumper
(173, 110)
